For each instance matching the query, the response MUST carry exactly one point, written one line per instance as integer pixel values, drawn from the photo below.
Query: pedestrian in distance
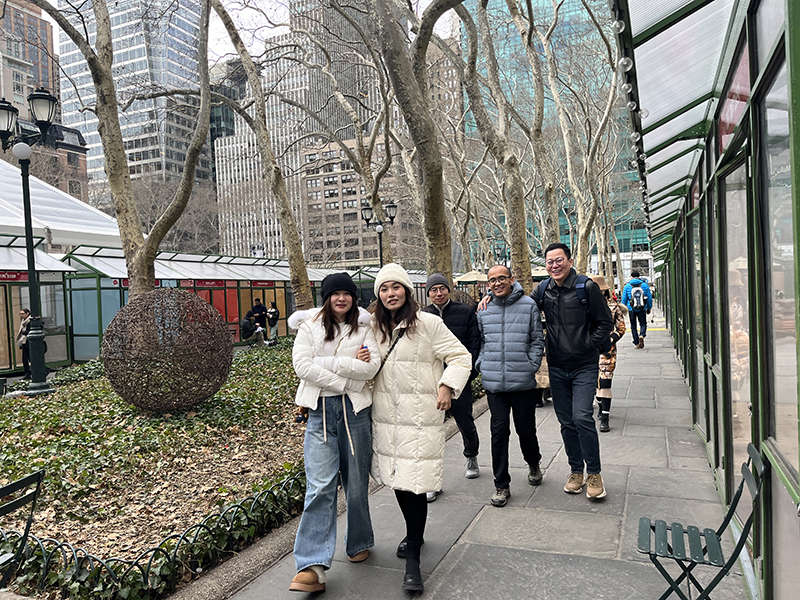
(638, 300)
(250, 331)
(608, 360)
(511, 354)
(260, 313)
(579, 324)
(22, 340)
(462, 321)
(334, 354)
(273, 314)
(412, 391)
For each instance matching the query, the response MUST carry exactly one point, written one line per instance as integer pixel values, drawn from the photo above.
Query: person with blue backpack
(636, 296)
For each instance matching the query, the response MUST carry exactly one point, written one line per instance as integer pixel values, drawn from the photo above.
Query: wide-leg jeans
(573, 392)
(328, 455)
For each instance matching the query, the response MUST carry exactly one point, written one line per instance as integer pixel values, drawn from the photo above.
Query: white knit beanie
(392, 272)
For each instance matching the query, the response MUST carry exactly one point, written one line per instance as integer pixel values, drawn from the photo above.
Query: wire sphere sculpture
(167, 350)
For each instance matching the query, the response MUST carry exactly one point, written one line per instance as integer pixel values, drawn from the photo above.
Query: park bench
(661, 541)
(11, 501)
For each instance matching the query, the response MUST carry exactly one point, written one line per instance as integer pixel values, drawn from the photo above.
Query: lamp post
(43, 107)
(367, 214)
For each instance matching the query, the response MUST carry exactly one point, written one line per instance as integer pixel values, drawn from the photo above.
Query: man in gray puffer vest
(511, 352)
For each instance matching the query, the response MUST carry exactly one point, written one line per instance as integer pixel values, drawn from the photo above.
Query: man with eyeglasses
(511, 353)
(462, 321)
(579, 323)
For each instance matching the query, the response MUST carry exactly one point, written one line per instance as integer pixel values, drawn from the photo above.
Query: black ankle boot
(402, 547)
(412, 581)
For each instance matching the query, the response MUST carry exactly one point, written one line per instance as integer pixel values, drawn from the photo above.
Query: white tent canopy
(56, 216)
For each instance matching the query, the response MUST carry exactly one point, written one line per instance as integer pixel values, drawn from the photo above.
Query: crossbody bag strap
(385, 358)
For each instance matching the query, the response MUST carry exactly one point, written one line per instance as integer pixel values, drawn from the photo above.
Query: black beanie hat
(338, 281)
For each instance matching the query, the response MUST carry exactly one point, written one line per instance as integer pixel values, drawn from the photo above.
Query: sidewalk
(546, 544)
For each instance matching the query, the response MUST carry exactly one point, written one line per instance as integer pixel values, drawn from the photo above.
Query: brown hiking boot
(594, 487)
(574, 483)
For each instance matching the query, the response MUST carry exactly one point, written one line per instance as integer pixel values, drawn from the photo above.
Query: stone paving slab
(684, 441)
(560, 532)
(477, 572)
(633, 451)
(546, 544)
(660, 416)
(669, 483)
(632, 430)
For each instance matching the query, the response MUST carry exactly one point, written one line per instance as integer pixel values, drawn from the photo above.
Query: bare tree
(140, 252)
(407, 69)
(271, 170)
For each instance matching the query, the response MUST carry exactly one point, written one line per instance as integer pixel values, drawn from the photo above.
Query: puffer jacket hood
(341, 372)
(299, 316)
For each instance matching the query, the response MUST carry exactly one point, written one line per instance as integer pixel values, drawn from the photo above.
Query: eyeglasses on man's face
(555, 262)
(498, 279)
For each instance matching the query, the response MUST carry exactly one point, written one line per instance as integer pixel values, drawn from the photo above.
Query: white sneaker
(432, 496)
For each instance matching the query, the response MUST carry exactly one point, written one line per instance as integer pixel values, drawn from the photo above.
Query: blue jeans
(573, 393)
(325, 461)
(640, 319)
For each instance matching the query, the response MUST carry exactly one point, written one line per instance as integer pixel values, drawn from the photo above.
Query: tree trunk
(412, 100)
(270, 170)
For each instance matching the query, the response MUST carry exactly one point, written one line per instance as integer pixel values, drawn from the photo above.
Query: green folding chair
(661, 541)
(10, 502)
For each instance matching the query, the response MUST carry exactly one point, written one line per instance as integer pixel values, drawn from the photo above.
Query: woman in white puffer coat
(413, 389)
(334, 354)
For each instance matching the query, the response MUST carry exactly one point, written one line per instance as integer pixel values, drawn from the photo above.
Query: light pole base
(38, 389)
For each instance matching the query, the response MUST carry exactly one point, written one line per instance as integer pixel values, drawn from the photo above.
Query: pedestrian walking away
(638, 300)
(334, 355)
(462, 321)
(412, 390)
(579, 325)
(511, 354)
(608, 360)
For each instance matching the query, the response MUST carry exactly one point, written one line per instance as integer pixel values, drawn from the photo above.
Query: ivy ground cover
(118, 481)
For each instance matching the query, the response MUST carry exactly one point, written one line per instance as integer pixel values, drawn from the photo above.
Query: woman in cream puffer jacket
(412, 392)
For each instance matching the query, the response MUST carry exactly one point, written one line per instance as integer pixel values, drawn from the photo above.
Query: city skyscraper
(155, 47)
(28, 57)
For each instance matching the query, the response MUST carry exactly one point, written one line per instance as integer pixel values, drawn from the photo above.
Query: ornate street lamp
(43, 107)
(367, 213)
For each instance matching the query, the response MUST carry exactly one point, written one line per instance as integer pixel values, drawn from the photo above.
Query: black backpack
(580, 289)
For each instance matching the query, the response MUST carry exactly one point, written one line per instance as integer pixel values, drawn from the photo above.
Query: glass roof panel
(667, 209)
(670, 151)
(691, 117)
(678, 66)
(674, 171)
(645, 14)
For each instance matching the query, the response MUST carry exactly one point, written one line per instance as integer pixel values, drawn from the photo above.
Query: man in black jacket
(461, 320)
(250, 330)
(579, 322)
